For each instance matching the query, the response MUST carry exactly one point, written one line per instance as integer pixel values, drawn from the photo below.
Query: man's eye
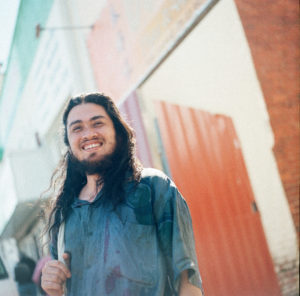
(76, 129)
(98, 123)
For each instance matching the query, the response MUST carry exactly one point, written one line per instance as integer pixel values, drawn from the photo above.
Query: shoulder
(151, 176)
(162, 188)
(152, 172)
(165, 197)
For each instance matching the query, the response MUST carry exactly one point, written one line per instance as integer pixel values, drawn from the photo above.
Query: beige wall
(212, 70)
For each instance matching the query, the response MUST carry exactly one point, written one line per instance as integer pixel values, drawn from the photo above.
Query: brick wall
(272, 31)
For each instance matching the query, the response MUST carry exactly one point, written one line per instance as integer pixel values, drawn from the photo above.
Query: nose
(89, 134)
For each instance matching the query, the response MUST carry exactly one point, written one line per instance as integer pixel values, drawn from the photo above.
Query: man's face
(91, 133)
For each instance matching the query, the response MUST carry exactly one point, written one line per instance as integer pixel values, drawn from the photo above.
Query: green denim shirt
(139, 249)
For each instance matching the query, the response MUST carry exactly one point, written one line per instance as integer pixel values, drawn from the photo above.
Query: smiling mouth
(93, 146)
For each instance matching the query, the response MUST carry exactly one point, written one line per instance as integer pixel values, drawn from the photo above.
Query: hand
(54, 275)
(186, 288)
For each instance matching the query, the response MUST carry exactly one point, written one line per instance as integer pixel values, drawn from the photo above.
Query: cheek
(72, 142)
(114, 140)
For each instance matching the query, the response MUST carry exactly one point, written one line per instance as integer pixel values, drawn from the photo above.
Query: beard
(94, 167)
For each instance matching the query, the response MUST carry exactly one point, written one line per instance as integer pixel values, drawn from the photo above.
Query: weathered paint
(207, 165)
(131, 110)
(129, 41)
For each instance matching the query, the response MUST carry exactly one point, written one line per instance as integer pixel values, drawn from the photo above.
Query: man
(121, 230)
(23, 276)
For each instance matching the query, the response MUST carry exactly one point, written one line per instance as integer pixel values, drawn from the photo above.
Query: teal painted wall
(22, 53)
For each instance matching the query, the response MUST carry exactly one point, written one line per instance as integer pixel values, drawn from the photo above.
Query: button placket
(88, 226)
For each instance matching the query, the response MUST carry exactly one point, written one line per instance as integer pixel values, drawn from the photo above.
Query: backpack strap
(61, 242)
(61, 248)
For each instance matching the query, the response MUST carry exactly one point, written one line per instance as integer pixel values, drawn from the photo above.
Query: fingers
(52, 289)
(59, 267)
(54, 275)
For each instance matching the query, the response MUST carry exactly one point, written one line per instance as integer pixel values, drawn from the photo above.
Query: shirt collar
(79, 202)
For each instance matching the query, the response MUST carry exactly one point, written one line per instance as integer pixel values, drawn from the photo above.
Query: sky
(8, 14)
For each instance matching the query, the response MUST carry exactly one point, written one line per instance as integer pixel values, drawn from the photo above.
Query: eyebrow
(97, 117)
(91, 119)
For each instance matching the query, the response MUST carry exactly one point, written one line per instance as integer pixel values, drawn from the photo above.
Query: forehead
(84, 112)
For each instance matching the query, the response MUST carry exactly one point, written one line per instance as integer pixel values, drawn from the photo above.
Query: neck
(91, 188)
(92, 181)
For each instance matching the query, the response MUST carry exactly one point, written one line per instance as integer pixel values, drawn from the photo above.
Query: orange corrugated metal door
(207, 165)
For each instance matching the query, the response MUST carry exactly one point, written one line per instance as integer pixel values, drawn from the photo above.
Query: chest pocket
(136, 241)
(140, 250)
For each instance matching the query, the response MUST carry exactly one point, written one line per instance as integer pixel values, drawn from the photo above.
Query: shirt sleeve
(175, 234)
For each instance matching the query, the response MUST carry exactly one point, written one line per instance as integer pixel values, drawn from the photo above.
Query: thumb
(67, 258)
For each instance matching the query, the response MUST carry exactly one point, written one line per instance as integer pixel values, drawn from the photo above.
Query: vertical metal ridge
(207, 165)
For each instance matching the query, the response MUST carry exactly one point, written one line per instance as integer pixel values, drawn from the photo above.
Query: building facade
(211, 93)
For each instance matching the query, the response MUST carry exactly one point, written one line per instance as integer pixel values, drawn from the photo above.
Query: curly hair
(70, 180)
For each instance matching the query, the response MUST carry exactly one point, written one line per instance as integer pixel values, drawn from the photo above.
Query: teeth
(90, 146)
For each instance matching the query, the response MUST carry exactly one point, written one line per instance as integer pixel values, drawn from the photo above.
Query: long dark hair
(70, 180)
